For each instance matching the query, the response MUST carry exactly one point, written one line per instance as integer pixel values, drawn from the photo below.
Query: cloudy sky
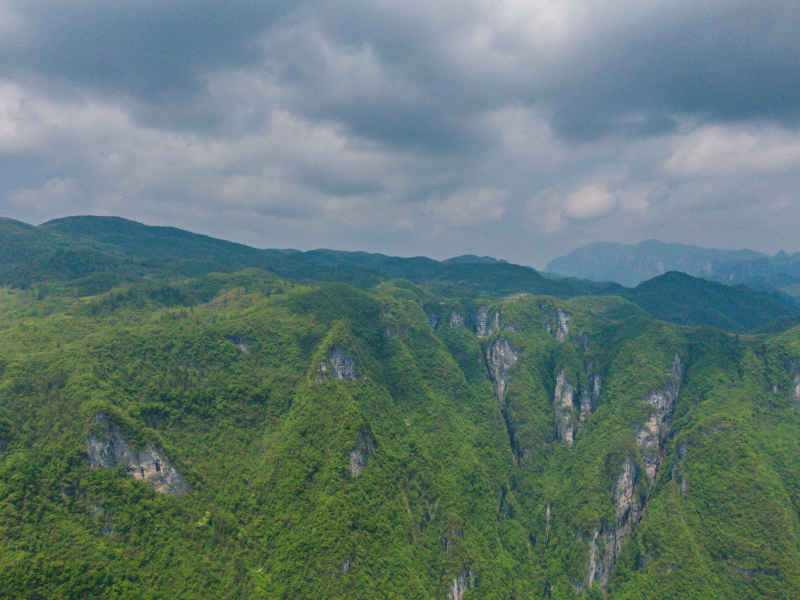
(515, 128)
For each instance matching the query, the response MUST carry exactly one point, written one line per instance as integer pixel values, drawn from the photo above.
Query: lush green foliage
(222, 373)
(90, 255)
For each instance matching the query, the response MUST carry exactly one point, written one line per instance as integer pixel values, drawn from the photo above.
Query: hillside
(241, 435)
(735, 308)
(89, 255)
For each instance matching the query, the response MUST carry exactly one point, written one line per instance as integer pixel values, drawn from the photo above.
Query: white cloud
(551, 211)
(469, 207)
(589, 202)
(715, 150)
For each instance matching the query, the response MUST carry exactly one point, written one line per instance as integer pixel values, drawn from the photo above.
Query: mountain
(734, 308)
(630, 264)
(472, 258)
(89, 255)
(241, 434)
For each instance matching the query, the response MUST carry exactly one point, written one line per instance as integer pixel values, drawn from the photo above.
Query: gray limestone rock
(564, 409)
(628, 508)
(486, 324)
(359, 455)
(107, 448)
(657, 426)
(456, 319)
(464, 581)
(558, 325)
(338, 365)
(243, 344)
(500, 359)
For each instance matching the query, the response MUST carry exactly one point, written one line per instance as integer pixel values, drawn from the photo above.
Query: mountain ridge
(630, 264)
(93, 254)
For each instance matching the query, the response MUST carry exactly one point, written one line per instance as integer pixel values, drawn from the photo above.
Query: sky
(514, 128)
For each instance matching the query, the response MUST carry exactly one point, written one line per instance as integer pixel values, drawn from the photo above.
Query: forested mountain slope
(241, 435)
(90, 255)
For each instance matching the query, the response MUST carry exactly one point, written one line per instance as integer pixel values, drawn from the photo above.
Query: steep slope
(89, 255)
(331, 442)
(683, 299)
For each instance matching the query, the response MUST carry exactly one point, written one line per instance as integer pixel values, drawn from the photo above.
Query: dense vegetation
(356, 441)
(90, 255)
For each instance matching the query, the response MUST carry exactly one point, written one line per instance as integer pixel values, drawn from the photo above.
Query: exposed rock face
(486, 325)
(391, 331)
(548, 524)
(589, 397)
(361, 453)
(601, 563)
(558, 326)
(657, 426)
(796, 389)
(500, 359)
(338, 365)
(456, 319)
(563, 325)
(678, 473)
(563, 407)
(241, 343)
(107, 448)
(627, 503)
(749, 573)
(463, 582)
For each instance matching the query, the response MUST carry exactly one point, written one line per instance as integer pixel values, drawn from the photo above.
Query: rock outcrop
(241, 343)
(564, 404)
(796, 389)
(433, 319)
(461, 583)
(590, 396)
(548, 524)
(628, 505)
(338, 365)
(679, 473)
(486, 325)
(657, 426)
(628, 508)
(107, 448)
(500, 359)
(558, 324)
(564, 409)
(359, 455)
(456, 319)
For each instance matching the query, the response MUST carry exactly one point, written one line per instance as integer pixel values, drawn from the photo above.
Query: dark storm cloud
(517, 127)
(615, 67)
(144, 48)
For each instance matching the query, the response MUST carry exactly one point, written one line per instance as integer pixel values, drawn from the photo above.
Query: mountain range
(185, 417)
(90, 255)
(630, 264)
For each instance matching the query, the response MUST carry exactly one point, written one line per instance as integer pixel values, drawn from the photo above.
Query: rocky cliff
(107, 448)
